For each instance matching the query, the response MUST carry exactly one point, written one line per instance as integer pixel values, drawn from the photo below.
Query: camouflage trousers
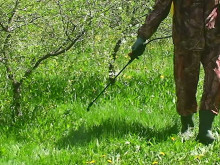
(186, 74)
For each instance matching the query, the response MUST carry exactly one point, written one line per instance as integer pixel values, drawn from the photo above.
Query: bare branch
(65, 28)
(51, 54)
(13, 12)
(56, 53)
(28, 22)
(61, 14)
(5, 59)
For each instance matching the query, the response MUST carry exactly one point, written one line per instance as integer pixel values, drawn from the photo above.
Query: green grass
(134, 122)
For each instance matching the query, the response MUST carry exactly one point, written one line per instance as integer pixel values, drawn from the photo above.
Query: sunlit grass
(134, 122)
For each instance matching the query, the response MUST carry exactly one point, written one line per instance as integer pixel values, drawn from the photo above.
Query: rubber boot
(206, 119)
(187, 123)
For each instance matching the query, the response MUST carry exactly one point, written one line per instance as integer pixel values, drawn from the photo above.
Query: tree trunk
(16, 102)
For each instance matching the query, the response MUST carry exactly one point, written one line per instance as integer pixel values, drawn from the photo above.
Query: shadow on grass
(86, 86)
(117, 128)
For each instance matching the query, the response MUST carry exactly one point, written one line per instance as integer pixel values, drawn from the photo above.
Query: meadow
(134, 122)
(55, 58)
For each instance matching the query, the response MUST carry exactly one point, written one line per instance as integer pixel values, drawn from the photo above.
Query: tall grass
(134, 122)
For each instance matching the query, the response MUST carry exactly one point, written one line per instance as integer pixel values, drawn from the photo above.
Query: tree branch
(61, 14)
(28, 22)
(3, 27)
(5, 59)
(51, 54)
(13, 12)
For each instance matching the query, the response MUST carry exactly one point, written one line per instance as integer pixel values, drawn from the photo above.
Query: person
(196, 38)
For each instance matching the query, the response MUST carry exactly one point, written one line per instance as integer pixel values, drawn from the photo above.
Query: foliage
(133, 123)
(59, 52)
(33, 32)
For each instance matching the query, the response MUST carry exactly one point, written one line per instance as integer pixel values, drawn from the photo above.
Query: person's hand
(211, 19)
(138, 48)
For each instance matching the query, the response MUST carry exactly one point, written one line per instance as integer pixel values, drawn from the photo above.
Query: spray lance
(129, 62)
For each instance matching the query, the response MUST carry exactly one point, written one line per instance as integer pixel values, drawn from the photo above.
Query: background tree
(33, 32)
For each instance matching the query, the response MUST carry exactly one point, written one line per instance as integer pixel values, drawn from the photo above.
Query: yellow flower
(162, 153)
(129, 77)
(173, 138)
(103, 156)
(109, 161)
(91, 162)
(127, 56)
(155, 162)
(198, 156)
(162, 76)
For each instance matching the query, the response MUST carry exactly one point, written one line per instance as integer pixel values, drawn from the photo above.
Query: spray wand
(129, 62)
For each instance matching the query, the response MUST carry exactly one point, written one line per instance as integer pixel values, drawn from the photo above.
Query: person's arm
(153, 20)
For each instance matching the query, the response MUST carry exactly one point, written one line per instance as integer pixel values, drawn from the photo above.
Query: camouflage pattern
(186, 74)
(196, 38)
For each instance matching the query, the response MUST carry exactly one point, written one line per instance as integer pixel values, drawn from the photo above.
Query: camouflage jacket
(189, 22)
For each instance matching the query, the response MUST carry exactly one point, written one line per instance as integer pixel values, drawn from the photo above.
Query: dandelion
(91, 162)
(155, 162)
(162, 153)
(198, 157)
(129, 77)
(173, 138)
(109, 161)
(162, 76)
(103, 156)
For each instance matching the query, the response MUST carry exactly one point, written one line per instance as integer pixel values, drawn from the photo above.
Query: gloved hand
(138, 48)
